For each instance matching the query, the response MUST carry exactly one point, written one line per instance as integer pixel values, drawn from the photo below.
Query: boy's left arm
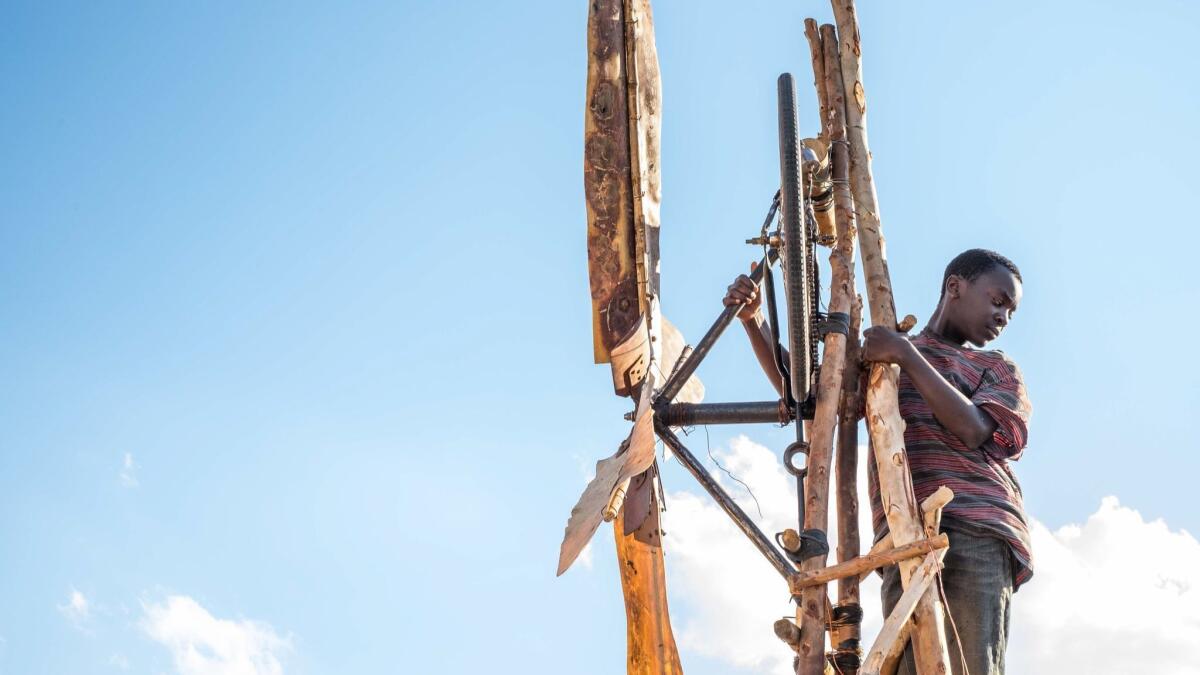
(955, 411)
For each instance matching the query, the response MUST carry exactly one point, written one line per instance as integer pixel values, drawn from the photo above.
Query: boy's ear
(953, 286)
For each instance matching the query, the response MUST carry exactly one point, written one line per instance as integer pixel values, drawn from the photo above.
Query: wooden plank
(650, 643)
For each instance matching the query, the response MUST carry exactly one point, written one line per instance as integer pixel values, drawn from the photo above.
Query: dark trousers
(978, 582)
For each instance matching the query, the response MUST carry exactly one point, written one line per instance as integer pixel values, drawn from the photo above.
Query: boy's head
(980, 291)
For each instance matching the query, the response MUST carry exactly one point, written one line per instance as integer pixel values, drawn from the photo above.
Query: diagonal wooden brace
(890, 641)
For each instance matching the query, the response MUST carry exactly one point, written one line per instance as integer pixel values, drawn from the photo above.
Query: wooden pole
(846, 623)
(823, 206)
(813, 601)
(867, 563)
(845, 632)
(883, 410)
(846, 464)
(817, 54)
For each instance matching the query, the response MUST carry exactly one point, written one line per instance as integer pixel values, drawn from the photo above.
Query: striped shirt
(987, 497)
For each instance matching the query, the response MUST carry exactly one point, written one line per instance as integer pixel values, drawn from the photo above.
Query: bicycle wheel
(796, 257)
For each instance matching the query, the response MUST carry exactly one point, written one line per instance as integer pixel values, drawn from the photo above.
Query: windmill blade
(635, 456)
(637, 494)
(621, 169)
(673, 346)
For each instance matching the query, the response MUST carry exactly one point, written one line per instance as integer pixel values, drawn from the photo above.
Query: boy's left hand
(881, 345)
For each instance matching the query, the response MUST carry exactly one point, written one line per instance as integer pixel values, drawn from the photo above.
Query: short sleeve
(1002, 395)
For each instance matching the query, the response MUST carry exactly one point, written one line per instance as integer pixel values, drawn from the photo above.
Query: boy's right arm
(744, 290)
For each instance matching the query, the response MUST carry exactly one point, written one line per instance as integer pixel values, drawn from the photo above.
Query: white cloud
(128, 471)
(119, 660)
(586, 559)
(201, 644)
(1115, 595)
(727, 594)
(76, 609)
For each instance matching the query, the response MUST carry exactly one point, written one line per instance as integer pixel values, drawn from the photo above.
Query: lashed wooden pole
(845, 626)
(813, 600)
(884, 423)
(846, 622)
(846, 463)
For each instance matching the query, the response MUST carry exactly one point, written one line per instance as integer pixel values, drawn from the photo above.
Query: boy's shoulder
(988, 358)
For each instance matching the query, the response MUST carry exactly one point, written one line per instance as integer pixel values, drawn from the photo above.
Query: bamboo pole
(813, 601)
(866, 563)
(884, 423)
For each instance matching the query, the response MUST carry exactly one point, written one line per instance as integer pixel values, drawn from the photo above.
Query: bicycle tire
(796, 254)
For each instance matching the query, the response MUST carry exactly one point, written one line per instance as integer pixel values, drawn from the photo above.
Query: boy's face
(982, 308)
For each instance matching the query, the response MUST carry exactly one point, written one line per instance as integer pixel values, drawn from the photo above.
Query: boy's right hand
(744, 290)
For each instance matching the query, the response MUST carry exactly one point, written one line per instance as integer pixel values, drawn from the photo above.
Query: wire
(708, 445)
(962, 655)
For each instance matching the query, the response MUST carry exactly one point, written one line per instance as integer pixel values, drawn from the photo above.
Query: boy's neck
(941, 326)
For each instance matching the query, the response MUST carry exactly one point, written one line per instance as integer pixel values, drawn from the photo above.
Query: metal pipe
(693, 414)
(688, 367)
(735, 512)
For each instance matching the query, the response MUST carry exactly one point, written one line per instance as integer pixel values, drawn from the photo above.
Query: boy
(966, 415)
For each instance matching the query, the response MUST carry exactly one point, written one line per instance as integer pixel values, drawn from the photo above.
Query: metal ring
(789, 454)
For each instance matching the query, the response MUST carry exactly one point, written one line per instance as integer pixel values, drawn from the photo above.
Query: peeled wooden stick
(888, 642)
(820, 452)
(867, 563)
(883, 411)
(880, 546)
(817, 52)
(823, 208)
(931, 510)
(788, 632)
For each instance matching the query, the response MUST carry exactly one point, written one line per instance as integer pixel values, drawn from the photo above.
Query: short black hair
(972, 263)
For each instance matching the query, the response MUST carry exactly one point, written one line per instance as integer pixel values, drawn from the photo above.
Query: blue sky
(295, 321)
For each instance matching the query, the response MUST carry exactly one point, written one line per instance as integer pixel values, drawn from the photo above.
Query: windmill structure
(825, 197)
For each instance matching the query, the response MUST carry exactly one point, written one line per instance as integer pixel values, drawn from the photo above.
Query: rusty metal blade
(635, 456)
(621, 169)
